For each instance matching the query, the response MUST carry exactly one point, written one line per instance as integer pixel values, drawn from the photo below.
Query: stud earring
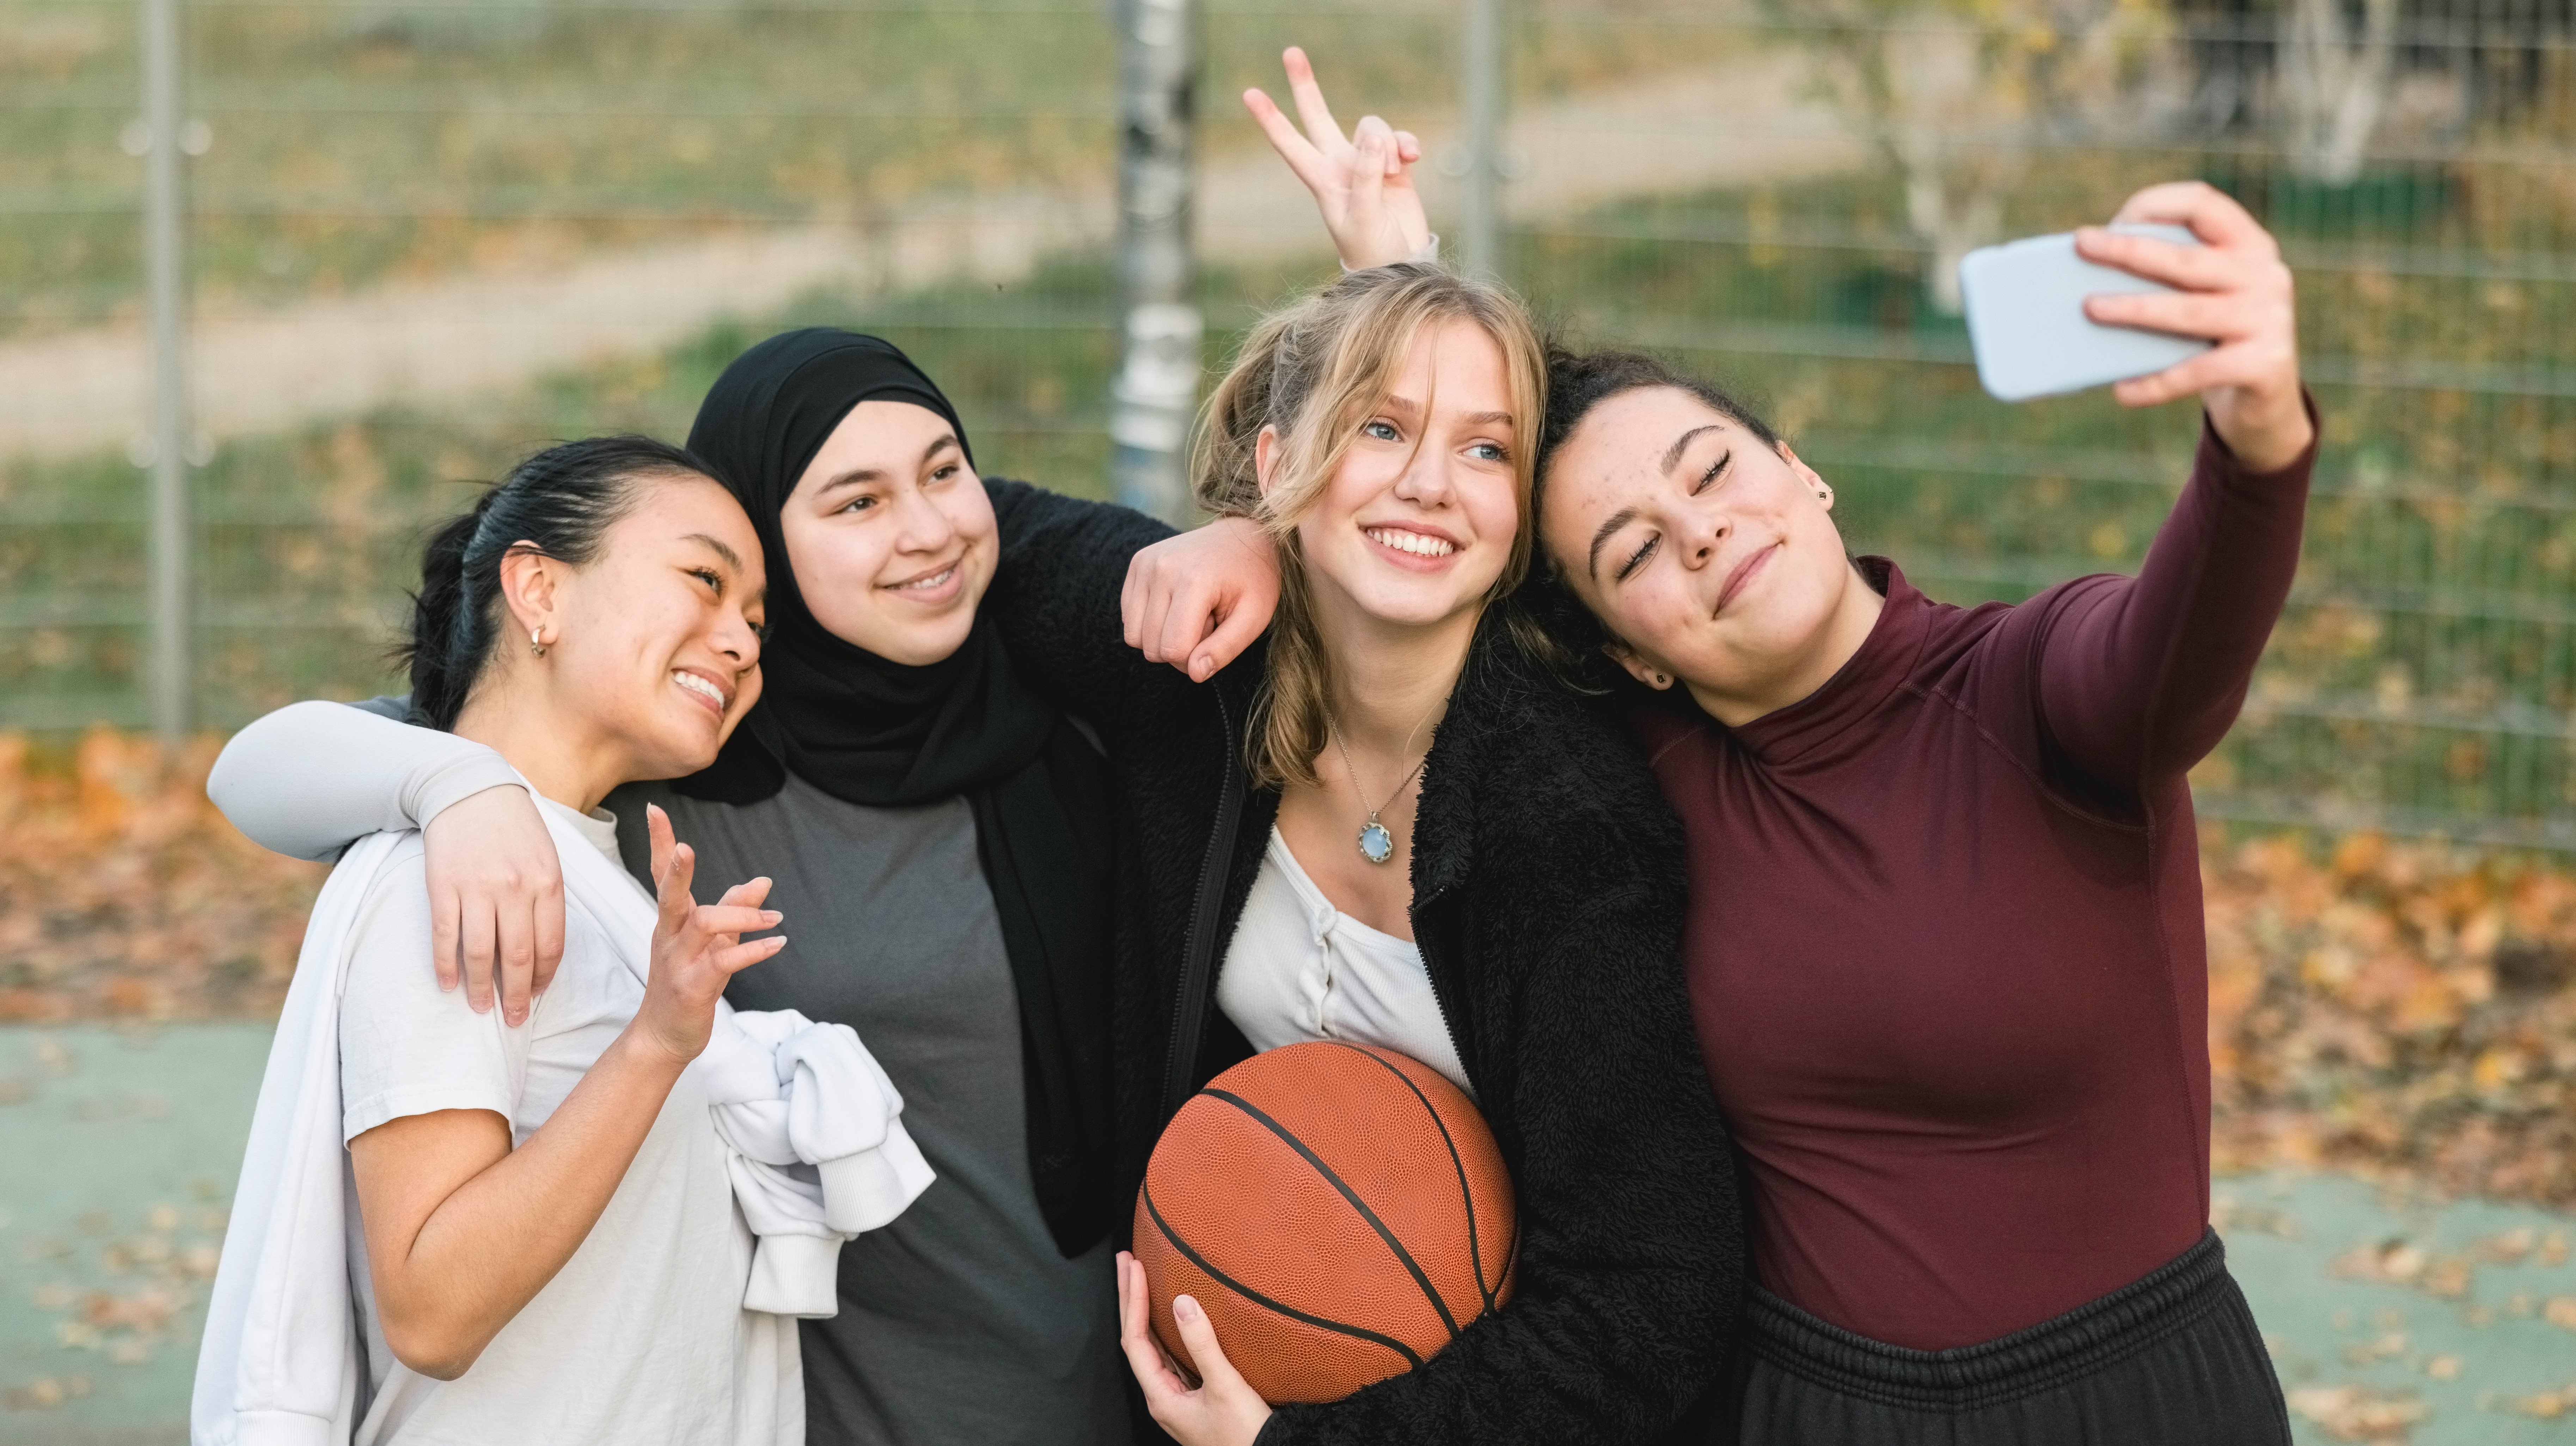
(1662, 682)
(1824, 497)
(536, 643)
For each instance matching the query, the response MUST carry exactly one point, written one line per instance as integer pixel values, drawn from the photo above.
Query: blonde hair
(1314, 371)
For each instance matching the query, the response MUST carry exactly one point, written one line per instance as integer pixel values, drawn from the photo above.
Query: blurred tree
(2335, 82)
(1956, 94)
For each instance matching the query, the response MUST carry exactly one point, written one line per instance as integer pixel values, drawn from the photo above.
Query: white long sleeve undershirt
(311, 778)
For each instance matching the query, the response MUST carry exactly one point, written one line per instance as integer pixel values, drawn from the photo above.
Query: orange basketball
(1340, 1211)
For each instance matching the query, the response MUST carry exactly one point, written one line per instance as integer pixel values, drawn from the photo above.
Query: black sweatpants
(2172, 1359)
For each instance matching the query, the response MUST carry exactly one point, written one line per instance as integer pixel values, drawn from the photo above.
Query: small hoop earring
(536, 643)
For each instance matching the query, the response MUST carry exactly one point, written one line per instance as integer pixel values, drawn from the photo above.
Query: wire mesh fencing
(428, 236)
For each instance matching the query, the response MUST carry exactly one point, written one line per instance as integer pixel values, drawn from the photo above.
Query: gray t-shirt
(960, 1322)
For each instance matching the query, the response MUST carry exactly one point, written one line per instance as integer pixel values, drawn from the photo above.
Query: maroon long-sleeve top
(1945, 943)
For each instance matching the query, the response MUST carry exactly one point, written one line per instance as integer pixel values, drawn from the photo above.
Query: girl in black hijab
(940, 835)
(883, 734)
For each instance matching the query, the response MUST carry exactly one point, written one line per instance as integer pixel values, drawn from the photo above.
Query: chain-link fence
(427, 236)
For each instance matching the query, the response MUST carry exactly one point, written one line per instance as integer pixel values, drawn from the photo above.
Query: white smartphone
(2026, 318)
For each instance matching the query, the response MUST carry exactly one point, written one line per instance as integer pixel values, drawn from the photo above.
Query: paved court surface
(2440, 1323)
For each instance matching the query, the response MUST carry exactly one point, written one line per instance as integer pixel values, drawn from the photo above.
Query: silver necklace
(1376, 844)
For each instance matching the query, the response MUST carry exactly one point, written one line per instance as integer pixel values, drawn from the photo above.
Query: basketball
(1340, 1211)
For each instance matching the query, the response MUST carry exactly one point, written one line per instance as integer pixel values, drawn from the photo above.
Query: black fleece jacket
(1548, 889)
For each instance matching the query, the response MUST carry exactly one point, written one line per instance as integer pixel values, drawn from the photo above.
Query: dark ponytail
(558, 503)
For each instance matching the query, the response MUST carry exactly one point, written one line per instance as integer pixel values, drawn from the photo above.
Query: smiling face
(890, 535)
(655, 644)
(1709, 554)
(1416, 522)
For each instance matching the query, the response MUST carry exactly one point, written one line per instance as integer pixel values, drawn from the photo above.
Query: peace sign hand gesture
(1362, 184)
(697, 947)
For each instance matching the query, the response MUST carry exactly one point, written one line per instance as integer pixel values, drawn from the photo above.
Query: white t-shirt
(642, 1335)
(1300, 969)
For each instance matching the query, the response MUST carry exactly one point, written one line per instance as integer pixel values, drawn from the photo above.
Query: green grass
(355, 142)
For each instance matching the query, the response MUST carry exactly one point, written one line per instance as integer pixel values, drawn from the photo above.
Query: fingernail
(1185, 1308)
(772, 915)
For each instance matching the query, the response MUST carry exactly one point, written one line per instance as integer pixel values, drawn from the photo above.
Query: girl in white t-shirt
(553, 1199)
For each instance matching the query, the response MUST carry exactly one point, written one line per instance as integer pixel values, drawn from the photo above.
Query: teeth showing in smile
(701, 686)
(1412, 542)
(925, 584)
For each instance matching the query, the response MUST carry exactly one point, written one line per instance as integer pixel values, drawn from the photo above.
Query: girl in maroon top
(1944, 931)
(1944, 937)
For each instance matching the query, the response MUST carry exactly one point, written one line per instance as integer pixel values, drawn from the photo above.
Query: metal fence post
(164, 246)
(1158, 377)
(1480, 224)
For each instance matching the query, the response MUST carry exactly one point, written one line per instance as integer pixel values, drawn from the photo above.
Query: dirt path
(433, 343)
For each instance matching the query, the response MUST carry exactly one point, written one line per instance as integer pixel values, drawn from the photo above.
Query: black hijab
(836, 715)
(883, 734)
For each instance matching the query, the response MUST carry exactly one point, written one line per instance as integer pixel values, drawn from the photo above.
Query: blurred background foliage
(2416, 157)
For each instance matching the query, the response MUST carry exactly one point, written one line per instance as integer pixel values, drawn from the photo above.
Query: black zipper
(1198, 958)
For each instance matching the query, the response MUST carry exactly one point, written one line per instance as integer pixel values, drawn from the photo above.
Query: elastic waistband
(2168, 1299)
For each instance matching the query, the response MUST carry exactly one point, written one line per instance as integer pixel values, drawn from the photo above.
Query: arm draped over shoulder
(1056, 600)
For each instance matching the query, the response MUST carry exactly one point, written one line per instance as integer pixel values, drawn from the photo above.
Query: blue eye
(1489, 452)
(1382, 431)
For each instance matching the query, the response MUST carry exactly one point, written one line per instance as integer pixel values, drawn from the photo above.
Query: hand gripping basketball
(1220, 1410)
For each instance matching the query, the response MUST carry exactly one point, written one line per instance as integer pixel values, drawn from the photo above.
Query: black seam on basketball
(1403, 1256)
(1257, 1298)
(1466, 1192)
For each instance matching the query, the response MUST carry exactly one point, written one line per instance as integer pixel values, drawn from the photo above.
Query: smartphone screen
(2025, 303)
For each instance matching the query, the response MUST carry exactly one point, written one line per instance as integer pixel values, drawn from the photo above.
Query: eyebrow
(1682, 443)
(1601, 539)
(858, 475)
(732, 559)
(1490, 419)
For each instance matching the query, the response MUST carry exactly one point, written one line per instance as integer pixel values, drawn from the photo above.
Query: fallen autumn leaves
(2374, 1006)
(125, 895)
(2394, 1007)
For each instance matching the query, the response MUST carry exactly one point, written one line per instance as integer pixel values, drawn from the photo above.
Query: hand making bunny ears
(1363, 183)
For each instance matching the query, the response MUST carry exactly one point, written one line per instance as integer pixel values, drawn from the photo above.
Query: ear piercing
(1662, 682)
(1824, 497)
(536, 642)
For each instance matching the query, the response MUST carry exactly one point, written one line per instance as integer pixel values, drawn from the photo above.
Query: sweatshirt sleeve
(1632, 1247)
(2139, 678)
(310, 778)
(1056, 598)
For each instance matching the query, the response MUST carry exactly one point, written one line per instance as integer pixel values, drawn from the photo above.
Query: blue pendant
(1376, 844)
